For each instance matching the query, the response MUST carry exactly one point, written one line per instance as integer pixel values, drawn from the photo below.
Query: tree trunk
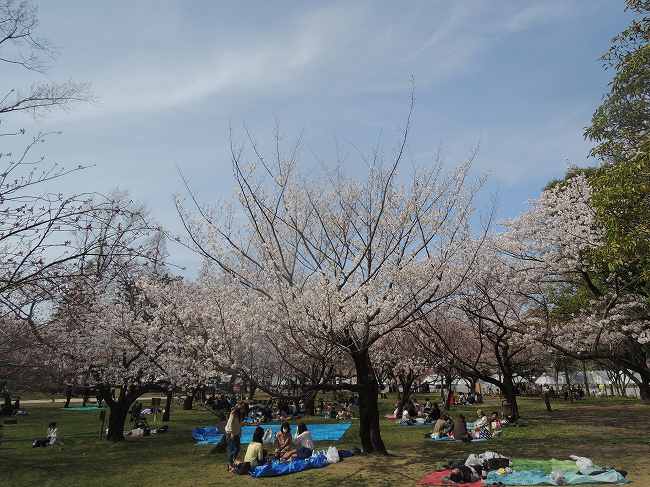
(644, 387)
(405, 395)
(472, 387)
(369, 430)
(568, 383)
(188, 402)
(252, 388)
(168, 407)
(231, 383)
(309, 399)
(586, 380)
(119, 409)
(508, 390)
(116, 420)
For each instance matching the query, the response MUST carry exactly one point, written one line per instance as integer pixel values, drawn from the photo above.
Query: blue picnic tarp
(538, 477)
(210, 435)
(277, 468)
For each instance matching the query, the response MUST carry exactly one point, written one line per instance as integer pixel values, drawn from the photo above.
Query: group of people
(412, 410)
(10, 409)
(460, 429)
(261, 412)
(341, 410)
(286, 447)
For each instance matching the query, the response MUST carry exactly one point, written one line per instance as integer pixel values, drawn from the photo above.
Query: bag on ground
(268, 437)
(332, 455)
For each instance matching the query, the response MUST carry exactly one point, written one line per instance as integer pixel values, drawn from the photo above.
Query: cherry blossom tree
(97, 322)
(339, 261)
(214, 331)
(581, 306)
(479, 330)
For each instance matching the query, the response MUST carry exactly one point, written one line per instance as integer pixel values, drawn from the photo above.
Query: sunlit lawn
(613, 432)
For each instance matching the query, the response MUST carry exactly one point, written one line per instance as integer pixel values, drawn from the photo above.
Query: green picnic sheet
(547, 466)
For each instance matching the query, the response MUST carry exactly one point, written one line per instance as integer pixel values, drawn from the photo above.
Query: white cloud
(535, 14)
(352, 48)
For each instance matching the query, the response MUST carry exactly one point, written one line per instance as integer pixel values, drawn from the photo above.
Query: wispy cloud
(346, 47)
(536, 14)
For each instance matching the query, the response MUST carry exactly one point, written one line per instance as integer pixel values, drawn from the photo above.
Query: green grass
(612, 432)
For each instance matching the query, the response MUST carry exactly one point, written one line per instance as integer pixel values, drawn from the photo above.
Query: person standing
(68, 395)
(233, 435)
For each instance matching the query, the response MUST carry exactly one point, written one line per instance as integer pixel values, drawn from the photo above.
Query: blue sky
(518, 78)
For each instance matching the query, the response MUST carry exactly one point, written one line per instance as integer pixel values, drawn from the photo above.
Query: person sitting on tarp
(283, 441)
(413, 410)
(495, 422)
(406, 418)
(433, 414)
(255, 454)
(460, 429)
(442, 427)
(304, 445)
(481, 428)
(427, 407)
(482, 420)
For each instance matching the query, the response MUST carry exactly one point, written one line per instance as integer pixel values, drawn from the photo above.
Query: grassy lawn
(613, 432)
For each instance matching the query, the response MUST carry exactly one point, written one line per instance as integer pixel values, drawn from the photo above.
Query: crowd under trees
(311, 284)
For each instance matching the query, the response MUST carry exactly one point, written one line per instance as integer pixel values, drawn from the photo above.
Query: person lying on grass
(463, 474)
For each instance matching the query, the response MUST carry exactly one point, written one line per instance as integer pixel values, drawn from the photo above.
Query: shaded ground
(611, 432)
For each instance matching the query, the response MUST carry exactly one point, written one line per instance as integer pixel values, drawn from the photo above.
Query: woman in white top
(303, 442)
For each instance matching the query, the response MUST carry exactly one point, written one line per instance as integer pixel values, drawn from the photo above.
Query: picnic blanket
(547, 466)
(539, 477)
(448, 438)
(437, 479)
(210, 435)
(418, 422)
(277, 468)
